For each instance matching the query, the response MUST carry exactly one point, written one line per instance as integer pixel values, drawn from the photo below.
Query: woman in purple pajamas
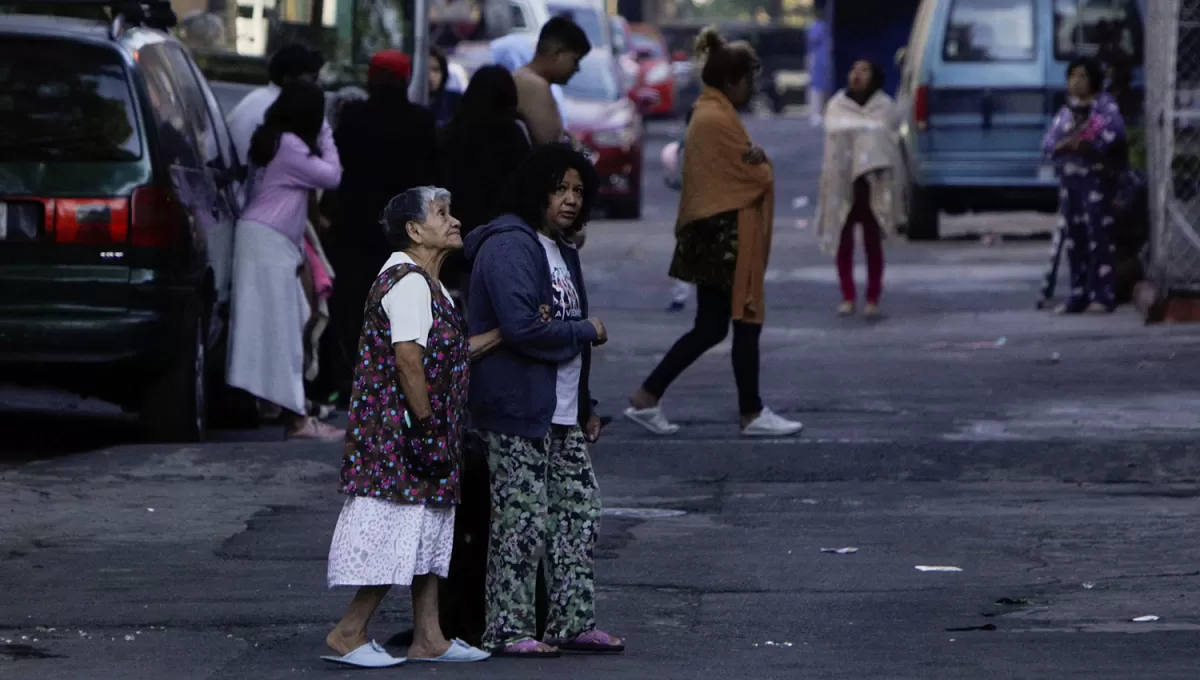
(1086, 141)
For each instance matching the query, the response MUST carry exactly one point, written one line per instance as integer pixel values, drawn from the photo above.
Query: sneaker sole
(772, 435)
(649, 428)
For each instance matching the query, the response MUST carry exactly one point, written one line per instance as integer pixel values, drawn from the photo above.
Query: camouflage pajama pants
(544, 501)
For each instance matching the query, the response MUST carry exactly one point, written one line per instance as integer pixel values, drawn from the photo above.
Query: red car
(655, 89)
(606, 121)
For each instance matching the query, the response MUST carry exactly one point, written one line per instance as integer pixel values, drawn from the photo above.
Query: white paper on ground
(925, 567)
(1146, 619)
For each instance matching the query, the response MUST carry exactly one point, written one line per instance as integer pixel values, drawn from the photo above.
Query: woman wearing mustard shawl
(723, 237)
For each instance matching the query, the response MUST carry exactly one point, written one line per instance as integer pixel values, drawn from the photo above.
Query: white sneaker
(652, 419)
(770, 424)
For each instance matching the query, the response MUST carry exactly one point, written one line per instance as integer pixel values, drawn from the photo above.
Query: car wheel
(923, 216)
(174, 403)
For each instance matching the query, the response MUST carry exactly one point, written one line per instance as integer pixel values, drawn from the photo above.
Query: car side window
(518, 17)
(168, 107)
(195, 104)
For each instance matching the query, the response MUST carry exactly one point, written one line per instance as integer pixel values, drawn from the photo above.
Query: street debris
(1145, 619)
(1089, 585)
(994, 344)
(129, 638)
(149, 509)
(840, 551)
(1053, 359)
(968, 629)
(772, 643)
(799, 202)
(1014, 602)
(810, 501)
(643, 513)
(926, 567)
(802, 223)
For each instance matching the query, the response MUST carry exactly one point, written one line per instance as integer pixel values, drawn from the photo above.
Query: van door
(986, 83)
(221, 191)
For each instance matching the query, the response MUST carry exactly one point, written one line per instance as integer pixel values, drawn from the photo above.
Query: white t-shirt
(409, 304)
(566, 307)
(248, 115)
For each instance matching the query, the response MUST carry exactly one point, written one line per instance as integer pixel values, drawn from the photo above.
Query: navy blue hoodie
(513, 390)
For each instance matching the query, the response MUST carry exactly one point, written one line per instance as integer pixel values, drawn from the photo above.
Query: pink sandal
(527, 649)
(593, 642)
(315, 429)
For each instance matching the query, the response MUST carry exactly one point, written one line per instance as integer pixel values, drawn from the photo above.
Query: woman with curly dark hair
(531, 405)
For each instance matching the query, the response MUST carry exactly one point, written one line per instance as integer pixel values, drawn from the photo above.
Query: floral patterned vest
(382, 459)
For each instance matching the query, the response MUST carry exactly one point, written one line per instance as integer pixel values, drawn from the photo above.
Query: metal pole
(420, 58)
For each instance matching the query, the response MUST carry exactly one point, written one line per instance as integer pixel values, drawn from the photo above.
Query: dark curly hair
(528, 192)
(1095, 73)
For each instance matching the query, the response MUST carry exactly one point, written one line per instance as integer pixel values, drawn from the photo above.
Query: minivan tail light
(91, 221)
(157, 219)
(921, 107)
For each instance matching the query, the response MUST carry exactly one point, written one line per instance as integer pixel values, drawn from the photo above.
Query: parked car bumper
(82, 337)
(983, 170)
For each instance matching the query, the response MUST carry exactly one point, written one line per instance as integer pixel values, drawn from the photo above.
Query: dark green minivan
(118, 186)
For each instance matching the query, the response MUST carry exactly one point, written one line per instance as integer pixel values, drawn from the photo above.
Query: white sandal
(652, 419)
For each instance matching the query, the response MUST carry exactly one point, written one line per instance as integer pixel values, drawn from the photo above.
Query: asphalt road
(1054, 461)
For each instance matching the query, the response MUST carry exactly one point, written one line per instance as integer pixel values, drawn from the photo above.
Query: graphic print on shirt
(566, 298)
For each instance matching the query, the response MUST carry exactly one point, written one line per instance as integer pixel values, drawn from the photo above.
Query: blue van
(980, 81)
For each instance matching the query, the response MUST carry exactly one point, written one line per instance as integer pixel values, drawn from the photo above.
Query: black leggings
(713, 312)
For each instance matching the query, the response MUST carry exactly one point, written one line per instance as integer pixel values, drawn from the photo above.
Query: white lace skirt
(379, 542)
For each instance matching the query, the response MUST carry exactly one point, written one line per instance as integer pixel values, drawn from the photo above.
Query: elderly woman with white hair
(403, 455)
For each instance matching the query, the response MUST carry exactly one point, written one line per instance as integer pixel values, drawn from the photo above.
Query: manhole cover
(642, 513)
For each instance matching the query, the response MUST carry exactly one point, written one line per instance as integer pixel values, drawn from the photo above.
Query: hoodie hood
(501, 225)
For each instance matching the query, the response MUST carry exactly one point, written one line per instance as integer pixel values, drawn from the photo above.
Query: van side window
(168, 108)
(990, 30)
(1094, 29)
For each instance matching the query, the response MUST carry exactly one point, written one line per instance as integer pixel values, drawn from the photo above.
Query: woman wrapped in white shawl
(862, 180)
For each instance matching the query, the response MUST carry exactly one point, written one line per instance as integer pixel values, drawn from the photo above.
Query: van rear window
(1097, 28)
(990, 30)
(63, 101)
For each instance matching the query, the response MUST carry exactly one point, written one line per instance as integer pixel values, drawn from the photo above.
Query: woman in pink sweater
(291, 154)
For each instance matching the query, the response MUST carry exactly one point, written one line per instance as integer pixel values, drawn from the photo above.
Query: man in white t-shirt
(291, 62)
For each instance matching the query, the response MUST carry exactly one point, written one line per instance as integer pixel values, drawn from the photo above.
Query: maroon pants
(872, 243)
